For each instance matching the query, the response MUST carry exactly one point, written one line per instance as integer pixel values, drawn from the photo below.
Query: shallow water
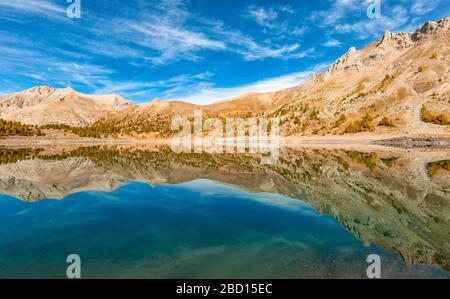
(146, 213)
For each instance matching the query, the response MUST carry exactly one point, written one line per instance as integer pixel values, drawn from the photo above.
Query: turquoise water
(198, 229)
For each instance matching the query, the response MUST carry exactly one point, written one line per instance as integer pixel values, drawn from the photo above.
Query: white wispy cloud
(38, 7)
(263, 16)
(258, 52)
(338, 10)
(107, 48)
(373, 28)
(161, 39)
(172, 85)
(396, 16)
(298, 30)
(171, 41)
(332, 43)
(252, 50)
(24, 57)
(164, 33)
(277, 21)
(286, 8)
(204, 75)
(421, 7)
(211, 94)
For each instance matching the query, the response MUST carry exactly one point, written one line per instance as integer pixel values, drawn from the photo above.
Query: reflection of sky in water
(197, 229)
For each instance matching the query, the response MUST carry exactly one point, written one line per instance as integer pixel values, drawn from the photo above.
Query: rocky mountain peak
(344, 60)
(47, 105)
(157, 102)
(390, 44)
(431, 28)
(68, 89)
(396, 40)
(41, 90)
(117, 101)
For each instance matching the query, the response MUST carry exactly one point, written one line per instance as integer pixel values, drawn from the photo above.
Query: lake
(147, 212)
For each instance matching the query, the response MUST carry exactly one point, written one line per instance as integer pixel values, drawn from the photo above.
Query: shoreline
(377, 140)
(415, 142)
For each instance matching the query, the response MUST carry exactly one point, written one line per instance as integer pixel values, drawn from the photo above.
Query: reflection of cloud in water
(216, 190)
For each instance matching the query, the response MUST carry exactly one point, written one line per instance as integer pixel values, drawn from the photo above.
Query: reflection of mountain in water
(395, 198)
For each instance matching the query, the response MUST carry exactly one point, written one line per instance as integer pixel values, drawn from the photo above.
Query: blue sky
(194, 50)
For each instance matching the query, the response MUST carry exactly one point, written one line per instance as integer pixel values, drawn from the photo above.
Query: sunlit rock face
(43, 105)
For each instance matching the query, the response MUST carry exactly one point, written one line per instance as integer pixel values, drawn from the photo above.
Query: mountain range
(46, 105)
(399, 84)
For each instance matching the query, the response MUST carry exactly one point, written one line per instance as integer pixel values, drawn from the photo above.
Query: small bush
(421, 69)
(368, 159)
(363, 125)
(342, 119)
(13, 128)
(386, 122)
(389, 162)
(435, 167)
(435, 118)
(314, 114)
